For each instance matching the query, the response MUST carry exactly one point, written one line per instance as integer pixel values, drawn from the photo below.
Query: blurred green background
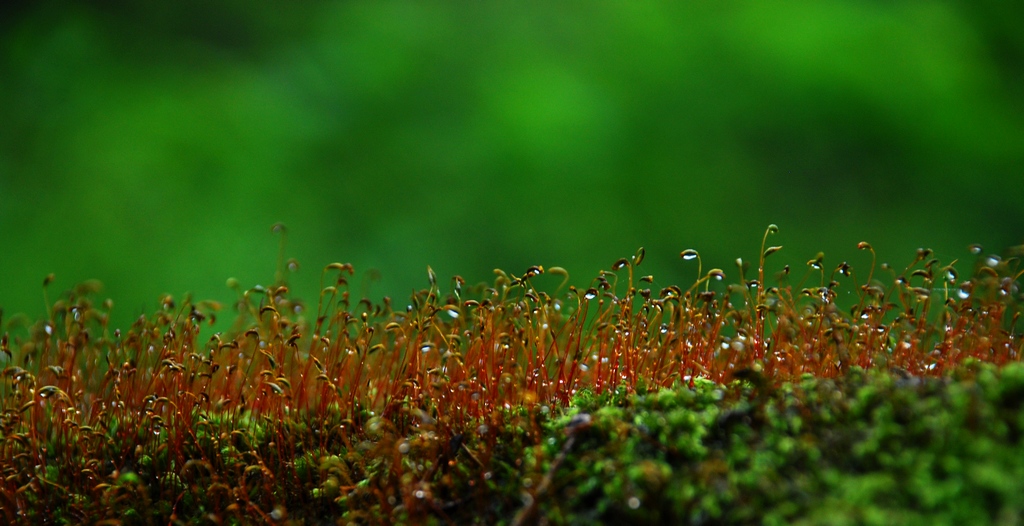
(153, 145)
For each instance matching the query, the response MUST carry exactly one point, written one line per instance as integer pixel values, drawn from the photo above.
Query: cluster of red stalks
(357, 385)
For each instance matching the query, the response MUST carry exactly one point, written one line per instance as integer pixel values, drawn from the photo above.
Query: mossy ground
(504, 404)
(864, 448)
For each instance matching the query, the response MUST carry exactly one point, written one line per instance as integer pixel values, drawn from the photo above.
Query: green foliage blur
(153, 145)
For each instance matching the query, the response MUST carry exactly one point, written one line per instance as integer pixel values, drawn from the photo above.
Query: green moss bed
(864, 448)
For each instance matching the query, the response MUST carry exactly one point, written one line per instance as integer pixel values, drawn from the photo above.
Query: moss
(864, 449)
(613, 404)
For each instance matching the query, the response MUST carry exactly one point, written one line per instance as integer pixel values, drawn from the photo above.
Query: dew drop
(688, 254)
(634, 503)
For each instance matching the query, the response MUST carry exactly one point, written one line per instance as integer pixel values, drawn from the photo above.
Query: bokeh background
(153, 145)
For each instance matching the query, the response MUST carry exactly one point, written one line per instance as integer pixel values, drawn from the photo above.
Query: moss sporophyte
(755, 401)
